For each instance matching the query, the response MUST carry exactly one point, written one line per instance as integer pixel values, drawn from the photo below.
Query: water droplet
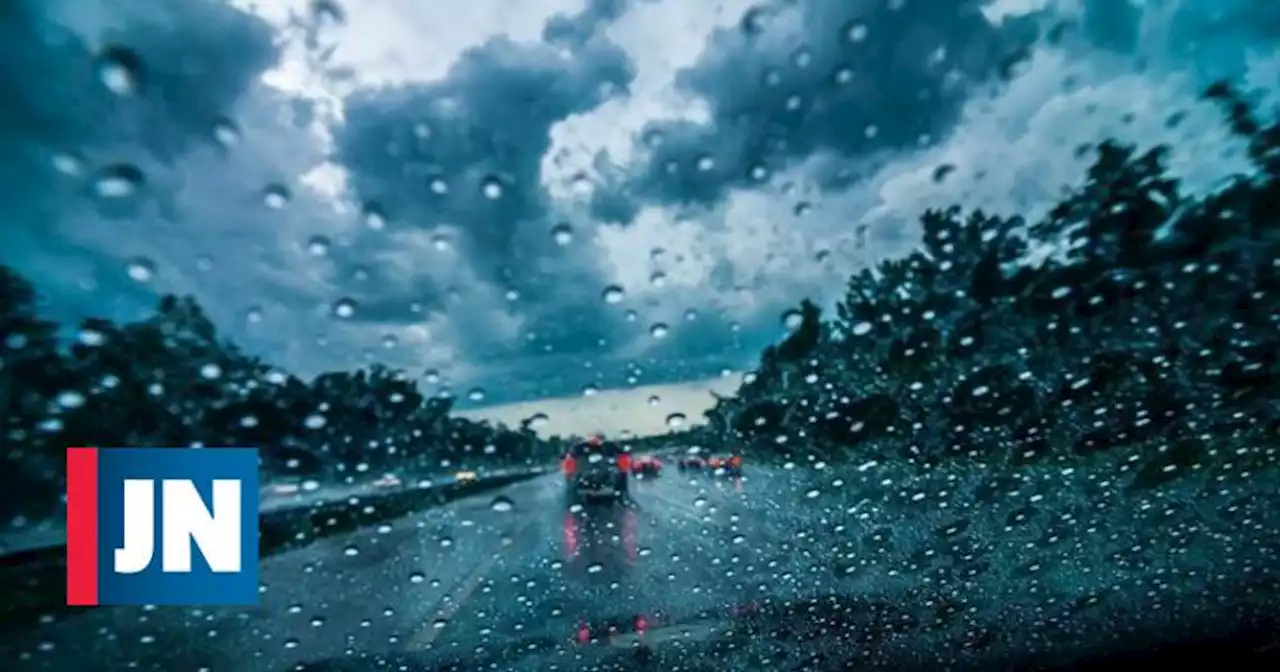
(431, 376)
(71, 399)
(792, 319)
(613, 294)
(211, 371)
(658, 279)
(226, 133)
(862, 328)
(590, 391)
(344, 308)
(417, 577)
(855, 31)
(67, 164)
(594, 568)
(706, 162)
(120, 70)
(253, 315)
(476, 394)
(276, 196)
(439, 187)
(351, 551)
(318, 246)
(538, 421)
(562, 234)
(440, 623)
(141, 269)
(675, 420)
(441, 243)
(654, 400)
(374, 218)
(118, 181)
(700, 502)
(315, 421)
(659, 330)
(290, 643)
(446, 542)
(491, 187)
(502, 504)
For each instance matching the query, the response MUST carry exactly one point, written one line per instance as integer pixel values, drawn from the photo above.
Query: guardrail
(35, 578)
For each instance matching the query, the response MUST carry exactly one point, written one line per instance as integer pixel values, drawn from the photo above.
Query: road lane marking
(462, 592)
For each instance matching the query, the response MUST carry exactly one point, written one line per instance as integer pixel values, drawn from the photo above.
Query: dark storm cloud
(853, 78)
(190, 61)
(466, 151)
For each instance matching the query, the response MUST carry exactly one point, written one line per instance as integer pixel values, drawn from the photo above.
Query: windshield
(914, 334)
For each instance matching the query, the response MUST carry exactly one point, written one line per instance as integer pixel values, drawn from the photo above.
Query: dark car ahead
(596, 469)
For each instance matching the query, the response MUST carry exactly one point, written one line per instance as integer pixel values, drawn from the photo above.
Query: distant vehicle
(466, 476)
(596, 469)
(646, 465)
(692, 460)
(730, 465)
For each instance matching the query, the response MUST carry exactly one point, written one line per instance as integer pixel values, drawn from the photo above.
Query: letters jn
(185, 519)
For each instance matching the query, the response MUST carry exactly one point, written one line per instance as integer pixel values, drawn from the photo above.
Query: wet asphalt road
(931, 569)
(517, 565)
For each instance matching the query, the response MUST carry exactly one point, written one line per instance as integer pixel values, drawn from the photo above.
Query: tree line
(1133, 317)
(172, 381)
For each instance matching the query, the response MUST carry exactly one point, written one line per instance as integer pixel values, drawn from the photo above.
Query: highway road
(786, 569)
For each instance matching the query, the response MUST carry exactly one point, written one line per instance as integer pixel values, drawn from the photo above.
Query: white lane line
(454, 600)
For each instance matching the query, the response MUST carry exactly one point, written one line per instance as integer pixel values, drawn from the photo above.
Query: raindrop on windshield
(658, 279)
(792, 319)
(491, 188)
(590, 391)
(613, 294)
(315, 421)
(211, 371)
(659, 330)
(562, 234)
(226, 133)
(476, 394)
(538, 420)
(71, 399)
(141, 269)
(344, 308)
(374, 217)
(318, 246)
(675, 420)
(120, 70)
(118, 181)
(502, 504)
(855, 31)
(276, 196)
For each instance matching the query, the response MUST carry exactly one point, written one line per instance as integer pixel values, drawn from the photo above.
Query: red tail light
(568, 465)
(624, 462)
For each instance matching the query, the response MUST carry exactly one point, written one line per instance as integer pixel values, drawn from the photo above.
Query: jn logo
(135, 516)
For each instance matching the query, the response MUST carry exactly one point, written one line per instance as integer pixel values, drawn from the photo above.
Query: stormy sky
(528, 199)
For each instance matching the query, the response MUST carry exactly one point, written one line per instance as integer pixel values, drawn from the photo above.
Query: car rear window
(607, 449)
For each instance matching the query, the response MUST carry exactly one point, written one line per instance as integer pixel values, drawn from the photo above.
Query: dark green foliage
(1132, 317)
(170, 381)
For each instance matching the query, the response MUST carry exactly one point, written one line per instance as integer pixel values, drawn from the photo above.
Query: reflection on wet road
(469, 576)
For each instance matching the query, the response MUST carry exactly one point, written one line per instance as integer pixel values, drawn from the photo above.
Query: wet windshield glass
(638, 334)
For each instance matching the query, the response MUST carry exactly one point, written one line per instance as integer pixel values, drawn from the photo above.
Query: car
(595, 469)
(466, 476)
(646, 465)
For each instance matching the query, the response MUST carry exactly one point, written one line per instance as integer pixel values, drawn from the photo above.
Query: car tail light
(624, 462)
(568, 465)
